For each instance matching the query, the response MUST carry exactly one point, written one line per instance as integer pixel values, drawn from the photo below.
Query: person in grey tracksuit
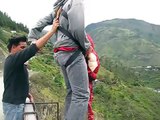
(75, 75)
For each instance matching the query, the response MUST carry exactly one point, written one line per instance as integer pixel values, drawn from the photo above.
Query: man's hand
(58, 12)
(92, 62)
(55, 25)
(30, 98)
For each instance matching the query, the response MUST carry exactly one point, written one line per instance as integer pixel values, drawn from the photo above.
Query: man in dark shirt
(16, 86)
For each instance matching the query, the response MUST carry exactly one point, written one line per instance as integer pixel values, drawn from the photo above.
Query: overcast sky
(29, 12)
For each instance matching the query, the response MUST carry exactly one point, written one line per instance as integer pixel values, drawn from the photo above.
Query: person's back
(75, 25)
(75, 73)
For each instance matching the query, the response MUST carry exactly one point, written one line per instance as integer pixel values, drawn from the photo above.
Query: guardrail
(41, 111)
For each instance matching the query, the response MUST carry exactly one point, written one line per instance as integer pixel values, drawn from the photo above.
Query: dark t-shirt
(16, 84)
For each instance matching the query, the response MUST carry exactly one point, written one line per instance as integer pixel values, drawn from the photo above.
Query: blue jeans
(12, 111)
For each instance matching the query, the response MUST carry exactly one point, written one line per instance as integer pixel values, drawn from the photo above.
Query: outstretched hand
(55, 25)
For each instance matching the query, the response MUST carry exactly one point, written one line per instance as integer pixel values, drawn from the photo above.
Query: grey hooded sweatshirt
(74, 24)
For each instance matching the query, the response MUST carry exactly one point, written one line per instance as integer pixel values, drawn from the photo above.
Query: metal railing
(42, 111)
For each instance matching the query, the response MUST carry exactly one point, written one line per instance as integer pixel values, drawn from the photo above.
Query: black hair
(15, 41)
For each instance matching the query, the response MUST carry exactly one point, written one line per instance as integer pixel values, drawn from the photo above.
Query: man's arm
(35, 32)
(43, 40)
(24, 55)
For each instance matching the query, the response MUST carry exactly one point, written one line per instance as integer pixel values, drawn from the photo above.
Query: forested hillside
(122, 92)
(133, 42)
(7, 22)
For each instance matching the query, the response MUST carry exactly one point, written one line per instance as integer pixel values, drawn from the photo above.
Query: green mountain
(133, 42)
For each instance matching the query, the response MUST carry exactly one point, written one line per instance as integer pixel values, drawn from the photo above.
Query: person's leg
(78, 78)
(61, 58)
(69, 91)
(8, 111)
(13, 112)
(90, 111)
(19, 113)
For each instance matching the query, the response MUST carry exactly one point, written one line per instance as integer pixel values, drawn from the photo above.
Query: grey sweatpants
(76, 79)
